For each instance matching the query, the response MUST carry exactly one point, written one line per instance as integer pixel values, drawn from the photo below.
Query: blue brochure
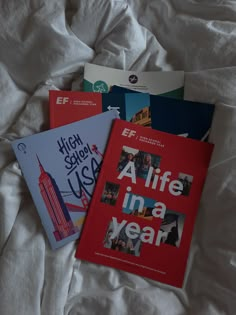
(176, 116)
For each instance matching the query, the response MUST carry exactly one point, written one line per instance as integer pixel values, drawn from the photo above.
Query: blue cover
(176, 116)
(60, 167)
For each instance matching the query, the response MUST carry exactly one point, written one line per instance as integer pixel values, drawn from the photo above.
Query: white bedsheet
(44, 45)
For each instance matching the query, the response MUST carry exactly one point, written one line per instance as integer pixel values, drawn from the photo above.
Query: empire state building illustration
(56, 207)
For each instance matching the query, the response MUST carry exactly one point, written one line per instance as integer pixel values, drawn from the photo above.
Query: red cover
(69, 106)
(145, 202)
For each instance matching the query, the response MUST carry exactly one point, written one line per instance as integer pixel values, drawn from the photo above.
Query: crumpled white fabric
(44, 45)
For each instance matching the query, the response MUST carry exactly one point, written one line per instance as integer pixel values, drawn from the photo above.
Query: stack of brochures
(121, 170)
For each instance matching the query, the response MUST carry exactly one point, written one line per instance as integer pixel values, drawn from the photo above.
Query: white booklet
(101, 79)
